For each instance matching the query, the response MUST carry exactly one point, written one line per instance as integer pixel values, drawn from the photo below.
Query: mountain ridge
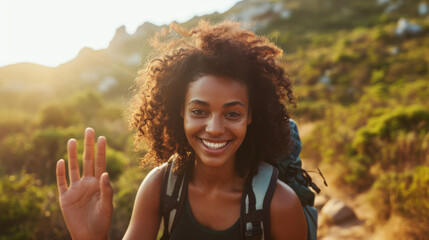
(291, 24)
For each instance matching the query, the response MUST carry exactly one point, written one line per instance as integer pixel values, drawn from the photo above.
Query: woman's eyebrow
(200, 102)
(230, 104)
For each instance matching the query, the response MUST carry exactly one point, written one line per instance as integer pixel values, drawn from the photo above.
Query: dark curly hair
(225, 49)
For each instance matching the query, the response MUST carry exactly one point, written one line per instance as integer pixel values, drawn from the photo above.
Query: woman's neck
(213, 179)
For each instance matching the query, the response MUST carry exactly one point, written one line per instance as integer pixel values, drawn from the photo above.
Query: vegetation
(29, 209)
(364, 87)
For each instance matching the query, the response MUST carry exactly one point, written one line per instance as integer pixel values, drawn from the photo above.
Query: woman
(214, 103)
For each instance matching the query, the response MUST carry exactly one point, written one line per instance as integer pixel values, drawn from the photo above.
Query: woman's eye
(233, 115)
(198, 112)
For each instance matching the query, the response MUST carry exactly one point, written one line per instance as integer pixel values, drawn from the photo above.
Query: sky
(52, 32)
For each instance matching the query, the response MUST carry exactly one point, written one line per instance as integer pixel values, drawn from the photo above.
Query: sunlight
(51, 32)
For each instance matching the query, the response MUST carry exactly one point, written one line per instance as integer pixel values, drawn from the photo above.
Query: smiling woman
(215, 116)
(214, 104)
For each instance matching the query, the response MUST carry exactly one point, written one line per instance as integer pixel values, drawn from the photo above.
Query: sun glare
(51, 32)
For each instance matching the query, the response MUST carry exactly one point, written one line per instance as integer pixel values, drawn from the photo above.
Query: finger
(100, 161)
(61, 177)
(88, 153)
(106, 194)
(74, 171)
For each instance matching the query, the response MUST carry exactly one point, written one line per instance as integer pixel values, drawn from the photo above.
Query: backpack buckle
(253, 234)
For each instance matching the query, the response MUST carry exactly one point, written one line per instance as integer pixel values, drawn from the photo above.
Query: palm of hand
(87, 204)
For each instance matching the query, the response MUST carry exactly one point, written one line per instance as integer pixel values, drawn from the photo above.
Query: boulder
(320, 201)
(403, 27)
(423, 9)
(336, 211)
(381, 2)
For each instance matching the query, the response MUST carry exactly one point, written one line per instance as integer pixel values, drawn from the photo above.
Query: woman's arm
(146, 218)
(286, 215)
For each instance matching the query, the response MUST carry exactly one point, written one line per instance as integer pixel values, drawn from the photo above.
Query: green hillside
(361, 75)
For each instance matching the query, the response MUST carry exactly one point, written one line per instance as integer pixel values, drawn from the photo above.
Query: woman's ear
(181, 110)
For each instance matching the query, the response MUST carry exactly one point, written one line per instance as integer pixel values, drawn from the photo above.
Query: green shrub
(55, 115)
(14, 121)
(116, 163)
(47, 147)
(377, 76)
(388, 138)
(358, 173)
(389, 125)
(405, 194)
(311, 111)
(29, 210)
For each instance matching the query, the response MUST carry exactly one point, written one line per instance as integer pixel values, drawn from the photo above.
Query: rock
(392, 7)
(252, 12)
(285, 14)
(336, 211)
(107, 83)
(394, 50)
(325, 78)
(146, 29)
(423, 8)
(404, 27)
(133, 59)
(381, 2)
(120, 37)
(261, 12)
(320, 201)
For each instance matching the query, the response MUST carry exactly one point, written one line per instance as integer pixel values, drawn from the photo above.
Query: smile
(213, 145)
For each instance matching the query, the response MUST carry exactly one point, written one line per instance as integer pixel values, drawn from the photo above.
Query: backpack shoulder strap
(172, 189)
(256, 199)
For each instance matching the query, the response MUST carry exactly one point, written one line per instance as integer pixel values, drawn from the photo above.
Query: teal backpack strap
(311, 217)
(291, 172)
(256, 199)
(172, 188)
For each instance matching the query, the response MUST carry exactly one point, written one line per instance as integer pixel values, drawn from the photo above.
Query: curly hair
(225, 49)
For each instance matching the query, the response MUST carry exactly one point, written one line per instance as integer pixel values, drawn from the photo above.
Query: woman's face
(216, 115)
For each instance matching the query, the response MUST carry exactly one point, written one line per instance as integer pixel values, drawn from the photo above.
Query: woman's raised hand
(87, 203)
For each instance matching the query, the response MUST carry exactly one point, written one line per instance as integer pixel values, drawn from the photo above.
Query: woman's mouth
(214, 145)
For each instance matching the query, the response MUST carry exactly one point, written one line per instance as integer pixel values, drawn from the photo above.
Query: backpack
(258, 192)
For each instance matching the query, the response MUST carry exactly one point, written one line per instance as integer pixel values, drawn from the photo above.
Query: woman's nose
(215, 126)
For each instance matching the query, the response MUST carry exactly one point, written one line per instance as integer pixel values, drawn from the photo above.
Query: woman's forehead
(213, 80)
(212, 87)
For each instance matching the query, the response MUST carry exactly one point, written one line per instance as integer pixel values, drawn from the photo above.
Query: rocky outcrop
(320, 201)
(336, 211)
(404, 27)
(423, 9)
(261, 12)
(147, 29)
(120, 37)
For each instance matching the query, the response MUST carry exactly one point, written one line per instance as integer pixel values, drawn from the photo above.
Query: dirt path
(358, 228)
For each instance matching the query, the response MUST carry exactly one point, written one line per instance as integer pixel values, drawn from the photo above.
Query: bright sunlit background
(360, 73)
(51, 32)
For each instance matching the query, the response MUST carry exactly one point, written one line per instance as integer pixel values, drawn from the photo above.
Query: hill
(361, 75)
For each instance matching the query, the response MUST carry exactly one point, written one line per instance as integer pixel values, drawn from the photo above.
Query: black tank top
(188, 228)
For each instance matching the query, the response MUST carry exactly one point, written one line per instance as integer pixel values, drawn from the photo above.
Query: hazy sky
(51, 32)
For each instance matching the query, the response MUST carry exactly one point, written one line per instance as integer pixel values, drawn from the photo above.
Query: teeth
(214, 145)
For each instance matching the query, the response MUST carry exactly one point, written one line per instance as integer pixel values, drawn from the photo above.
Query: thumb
(106, 195)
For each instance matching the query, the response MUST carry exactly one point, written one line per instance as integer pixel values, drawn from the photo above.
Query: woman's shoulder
(286, 214)
(154, 178)
(284, 197)
(150, 188)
